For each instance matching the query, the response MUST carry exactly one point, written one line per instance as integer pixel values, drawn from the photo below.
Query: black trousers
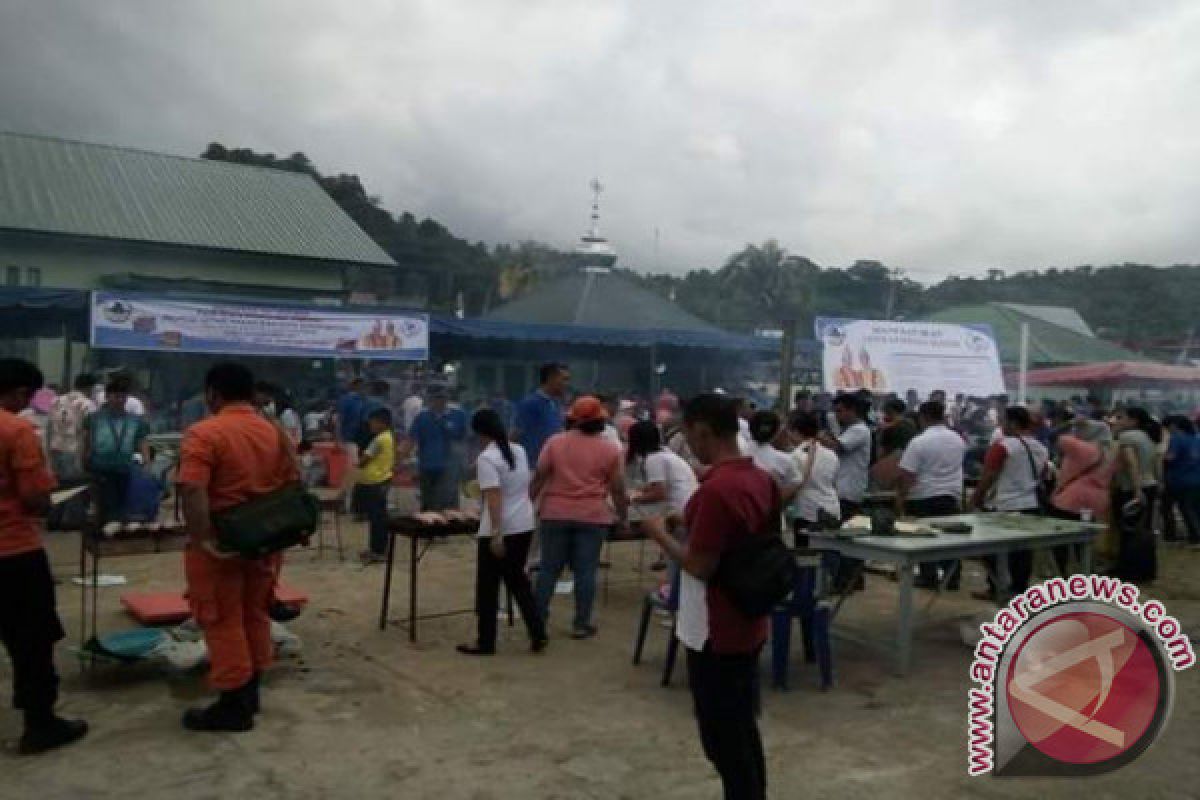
(29, 627)
(511, 570)
(111, 489)
(1137, 559)
(846, 568)
(941, 506)
(1187, 499)
(374, 501)
(725, 695)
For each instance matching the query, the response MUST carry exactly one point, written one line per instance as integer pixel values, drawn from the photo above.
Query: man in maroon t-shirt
(734, 501)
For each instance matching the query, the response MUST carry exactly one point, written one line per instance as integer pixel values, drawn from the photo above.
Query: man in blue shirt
(435, 432)
(376, 398)
(540, 415)
(350, 417)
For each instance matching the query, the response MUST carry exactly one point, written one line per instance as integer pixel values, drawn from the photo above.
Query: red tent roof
(1114, 374)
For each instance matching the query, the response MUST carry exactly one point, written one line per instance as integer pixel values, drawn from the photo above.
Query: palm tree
(780, 289)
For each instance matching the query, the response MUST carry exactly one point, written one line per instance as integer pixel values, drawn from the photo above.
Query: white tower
(594, 253)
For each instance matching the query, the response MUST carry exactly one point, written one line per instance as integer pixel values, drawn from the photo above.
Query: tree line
(760, 286)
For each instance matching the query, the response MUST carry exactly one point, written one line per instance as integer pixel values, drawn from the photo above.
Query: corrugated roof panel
(1049, 344)
(608, 300)
(59, 186)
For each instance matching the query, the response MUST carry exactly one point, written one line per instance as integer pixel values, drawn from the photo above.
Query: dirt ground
(364, 714)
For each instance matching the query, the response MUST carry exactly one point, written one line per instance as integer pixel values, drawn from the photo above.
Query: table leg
(82, 591)
(412, 592)
(1085, 557)
(95, 589)
(387, 581)
(904, 628)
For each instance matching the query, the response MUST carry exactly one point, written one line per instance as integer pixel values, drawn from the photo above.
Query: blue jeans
(577, 544)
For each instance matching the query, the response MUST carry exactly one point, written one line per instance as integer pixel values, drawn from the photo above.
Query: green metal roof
(1049, 344)
(602, 300)
(58, 186)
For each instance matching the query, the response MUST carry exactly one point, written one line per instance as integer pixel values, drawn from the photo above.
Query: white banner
(129, 321)
(898, 356)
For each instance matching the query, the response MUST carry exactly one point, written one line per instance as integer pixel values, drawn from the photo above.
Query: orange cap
(585, 408)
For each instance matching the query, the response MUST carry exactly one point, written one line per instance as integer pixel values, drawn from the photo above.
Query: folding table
(994, 534)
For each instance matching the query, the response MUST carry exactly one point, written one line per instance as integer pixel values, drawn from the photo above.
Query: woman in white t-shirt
(818, 466)
(505, 532)
(764, 428)
(663, 482)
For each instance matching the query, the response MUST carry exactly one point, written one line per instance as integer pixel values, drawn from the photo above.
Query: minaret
(594, 253)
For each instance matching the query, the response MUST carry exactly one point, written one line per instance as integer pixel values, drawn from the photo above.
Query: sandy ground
(364, 714)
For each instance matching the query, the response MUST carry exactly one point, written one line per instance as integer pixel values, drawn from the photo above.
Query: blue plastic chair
(814, 628)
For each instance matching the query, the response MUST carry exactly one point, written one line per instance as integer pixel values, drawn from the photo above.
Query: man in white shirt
(930, 482)
(1012, 469)
(853, 449)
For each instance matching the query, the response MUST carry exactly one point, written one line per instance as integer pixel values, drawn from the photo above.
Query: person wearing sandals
(505, 533)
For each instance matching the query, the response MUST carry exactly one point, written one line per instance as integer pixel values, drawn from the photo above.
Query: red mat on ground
(170, 608)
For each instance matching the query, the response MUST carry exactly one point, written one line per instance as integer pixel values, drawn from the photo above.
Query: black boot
(251, 691)
(231, 712)
(45, 731)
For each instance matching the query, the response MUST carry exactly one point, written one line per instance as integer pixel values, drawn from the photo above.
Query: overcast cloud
(944, 137)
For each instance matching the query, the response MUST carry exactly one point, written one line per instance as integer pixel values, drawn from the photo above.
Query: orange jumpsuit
(234, 455)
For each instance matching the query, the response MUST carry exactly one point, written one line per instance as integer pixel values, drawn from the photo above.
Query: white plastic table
(994, 534)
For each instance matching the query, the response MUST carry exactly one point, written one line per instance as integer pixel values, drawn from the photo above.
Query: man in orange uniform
(233, 456)
(29, 624)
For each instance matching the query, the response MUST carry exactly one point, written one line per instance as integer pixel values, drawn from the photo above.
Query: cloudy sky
(942, 137)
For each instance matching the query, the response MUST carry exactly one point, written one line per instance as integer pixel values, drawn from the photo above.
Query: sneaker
(55, 733)
(584, 632)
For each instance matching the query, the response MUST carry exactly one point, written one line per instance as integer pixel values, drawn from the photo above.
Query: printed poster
(131, 321)
(895, 357)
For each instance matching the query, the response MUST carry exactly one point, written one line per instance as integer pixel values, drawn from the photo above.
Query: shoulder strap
(1034, 471)
(1094, 465)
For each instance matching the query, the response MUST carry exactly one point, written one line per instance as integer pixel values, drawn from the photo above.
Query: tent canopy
(1116, 374)
(30, 312)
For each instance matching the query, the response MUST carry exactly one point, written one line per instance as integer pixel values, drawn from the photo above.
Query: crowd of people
(556, 477)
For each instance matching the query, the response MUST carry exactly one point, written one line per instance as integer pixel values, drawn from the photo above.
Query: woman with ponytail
(505, 532)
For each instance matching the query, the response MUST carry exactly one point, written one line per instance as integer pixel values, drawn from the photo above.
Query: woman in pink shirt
(1083, 479)
(577, 472)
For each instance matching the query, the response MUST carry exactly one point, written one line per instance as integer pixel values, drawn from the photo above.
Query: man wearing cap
(578, 472)
(433, 433)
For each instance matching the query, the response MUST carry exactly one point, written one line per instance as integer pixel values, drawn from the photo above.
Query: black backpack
(760, 572)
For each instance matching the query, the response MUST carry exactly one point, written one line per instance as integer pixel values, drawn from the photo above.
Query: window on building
(13, 276)
(33, 276)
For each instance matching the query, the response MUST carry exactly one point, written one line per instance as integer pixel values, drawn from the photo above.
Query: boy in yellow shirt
(375, 469)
